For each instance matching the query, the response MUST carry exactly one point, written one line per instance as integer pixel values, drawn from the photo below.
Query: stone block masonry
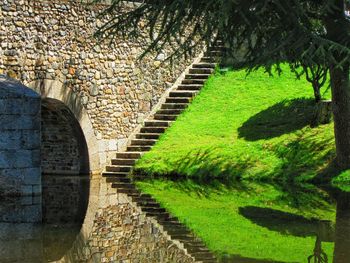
(44, 42)
(20, 172)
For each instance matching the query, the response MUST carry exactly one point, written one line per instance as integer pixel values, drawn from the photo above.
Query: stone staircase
(118, 172)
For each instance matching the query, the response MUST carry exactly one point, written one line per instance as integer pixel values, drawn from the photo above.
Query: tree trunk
(341, 113)
(338, 31)
(317, 92)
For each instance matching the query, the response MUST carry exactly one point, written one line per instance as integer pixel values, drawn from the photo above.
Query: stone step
(115, 174)
(176, 229)
(168, 106)
(182, 236)
(148, 204)
(143, 142)
(201, 71)
(118, 168)
(193, 81)
(120, 185)
(159, 210)
(170, 220)
(190, 87)
(129, 155)
(157, 215)
(139, 199)
(182, 94)
(153, 136)
(182, 232)
(197, 249)
(194, 244)
(204, 65)
(171, 224)
(165, 117)
(204, 257)
(130, 192)
(118, 180)
(209, 59)
(156, 123)
(178, 100)
(197, 76)
(120, 161)
(170, 112)
(214, 53)
(152, 130)
(139, 148)
(220, 48)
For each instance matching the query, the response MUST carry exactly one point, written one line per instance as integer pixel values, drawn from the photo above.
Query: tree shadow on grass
(305, 157)
(282, 118)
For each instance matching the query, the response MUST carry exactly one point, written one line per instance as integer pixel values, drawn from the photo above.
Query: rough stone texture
(53, 40)
(20, 172)
(63, 146)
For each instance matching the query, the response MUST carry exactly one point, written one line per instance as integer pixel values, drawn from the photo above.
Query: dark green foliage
(271, 31)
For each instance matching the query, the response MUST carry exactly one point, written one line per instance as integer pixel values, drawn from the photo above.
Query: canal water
(61, 211)
(64, 203)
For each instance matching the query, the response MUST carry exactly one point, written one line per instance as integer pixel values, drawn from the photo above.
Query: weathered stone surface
(19, 139)
(58, 44)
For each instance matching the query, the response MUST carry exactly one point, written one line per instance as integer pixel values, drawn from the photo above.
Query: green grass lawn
(252, 127)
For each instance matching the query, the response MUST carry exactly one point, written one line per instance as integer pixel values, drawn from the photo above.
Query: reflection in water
(63, 206)
(296, 225)
(342, 229)
(319, 255)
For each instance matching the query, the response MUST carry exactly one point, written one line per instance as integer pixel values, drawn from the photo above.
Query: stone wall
(20, 172)
(43, 41)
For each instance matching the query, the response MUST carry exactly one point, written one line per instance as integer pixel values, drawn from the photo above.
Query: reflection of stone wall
(19, 139)
(65, 198)
(116, 230)
(20, 242)
(121, 233)
(53, 40)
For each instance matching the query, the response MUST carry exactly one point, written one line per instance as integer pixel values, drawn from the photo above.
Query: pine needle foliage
(271, 31)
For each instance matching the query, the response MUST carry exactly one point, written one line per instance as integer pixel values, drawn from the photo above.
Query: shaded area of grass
(283, 117)
(252, 127)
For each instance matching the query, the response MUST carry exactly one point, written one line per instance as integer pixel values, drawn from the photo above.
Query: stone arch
(55, 89)
(64, 148)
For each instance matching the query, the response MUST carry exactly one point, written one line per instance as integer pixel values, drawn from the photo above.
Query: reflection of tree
(319, 255)
(342, 229)
(292, 224)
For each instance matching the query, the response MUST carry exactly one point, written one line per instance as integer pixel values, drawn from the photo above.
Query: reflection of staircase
(118, 172)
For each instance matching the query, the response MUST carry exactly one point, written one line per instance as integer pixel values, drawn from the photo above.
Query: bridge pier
(20, 108)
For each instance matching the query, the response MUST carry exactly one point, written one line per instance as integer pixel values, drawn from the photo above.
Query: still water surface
(63, 206)
(61, 211)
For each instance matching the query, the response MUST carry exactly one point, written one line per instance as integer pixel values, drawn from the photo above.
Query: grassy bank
(255, 127)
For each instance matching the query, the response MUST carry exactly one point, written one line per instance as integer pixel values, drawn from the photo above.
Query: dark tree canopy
(303, 33)
(273, 30)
